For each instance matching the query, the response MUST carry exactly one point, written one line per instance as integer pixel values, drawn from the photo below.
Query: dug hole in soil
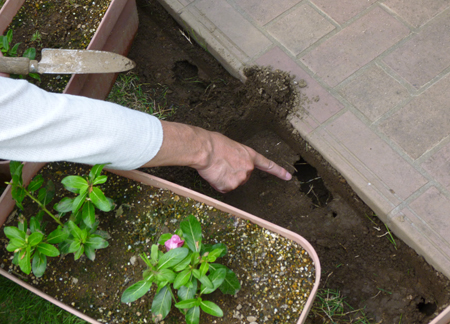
(390, 282)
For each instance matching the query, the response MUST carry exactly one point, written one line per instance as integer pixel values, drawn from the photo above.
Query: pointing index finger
(264, 164)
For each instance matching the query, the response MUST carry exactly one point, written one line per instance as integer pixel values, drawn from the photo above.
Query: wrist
(183, 145)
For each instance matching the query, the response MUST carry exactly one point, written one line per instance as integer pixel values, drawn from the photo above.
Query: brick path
(378, 80)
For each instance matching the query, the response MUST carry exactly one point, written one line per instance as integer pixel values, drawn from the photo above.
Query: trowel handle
(16, 65)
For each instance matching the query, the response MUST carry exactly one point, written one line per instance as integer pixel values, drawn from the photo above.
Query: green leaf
(210, 308)
(15, 168)
(15, 244)
(193, 316)
(144, 258)
(204, 267)
(15, 259)
(216, 278)
(96, 171)
(39, 264)
(99, 180)
(25, 260)
(196, 273)
(64, 206)
(9, 36)
(216, 253)
(148, 274)
(99, 200)
(172, 257)
(13, 232)
(46, 193)
(162, 303)
(76, 217)
(164, 238)
(88, 214)
(79, 201)
(64, 247)
(35, 76)
(166, 275)
(34, 224)
(195, 258)
(154, 254)
(136, 291)
(13, 51)
(35, 238)
(192, 233)
(84, 235)
(75, 230)
(183, 264)
(30, 53)
(22, 225)
(36, 183)
(74, 246)
(18, 194)
(188, 292)
(75, 182)
(47, 249)
(90, 252)
(182, 278)
(206, 282)
(58, 235)
(79, 253)
(188, 303)
(5, 44)
(96, 242)
(231, 284)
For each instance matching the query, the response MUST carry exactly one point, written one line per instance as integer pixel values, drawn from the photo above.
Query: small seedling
(189, 267)
(78, 234)
(11, 51)
(37, 37)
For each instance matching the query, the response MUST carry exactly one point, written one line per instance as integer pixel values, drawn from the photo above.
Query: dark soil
(389, 281)
(56, 24)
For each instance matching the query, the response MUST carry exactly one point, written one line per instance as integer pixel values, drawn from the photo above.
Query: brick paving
(378, 83)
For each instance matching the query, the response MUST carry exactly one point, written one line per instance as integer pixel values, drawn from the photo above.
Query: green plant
(11, 51)
(5, 45)
(332, 308)
(129, 91)
(189, 267)
(20, 306)
(37, 37)
(78, 234)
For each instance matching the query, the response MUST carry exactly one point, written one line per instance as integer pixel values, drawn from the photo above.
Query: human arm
(224, 163)
(38, 126)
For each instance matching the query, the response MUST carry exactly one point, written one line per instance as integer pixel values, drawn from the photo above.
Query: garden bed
(56, 24)
(379, 277)
(276, 274)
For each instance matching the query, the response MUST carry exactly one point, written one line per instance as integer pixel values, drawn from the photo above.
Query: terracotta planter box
(30, 169)
(114, 34)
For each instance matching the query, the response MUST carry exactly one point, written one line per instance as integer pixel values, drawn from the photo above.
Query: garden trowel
(67, 61)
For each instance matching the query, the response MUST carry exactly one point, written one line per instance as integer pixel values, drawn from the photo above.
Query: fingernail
(288, 176)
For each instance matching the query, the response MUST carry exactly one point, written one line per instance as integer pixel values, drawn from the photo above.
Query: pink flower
(174, 242)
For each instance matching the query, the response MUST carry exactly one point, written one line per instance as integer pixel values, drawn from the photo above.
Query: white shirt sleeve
(38, 126)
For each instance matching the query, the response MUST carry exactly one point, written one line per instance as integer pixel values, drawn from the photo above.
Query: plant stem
(175, 301)
(43, 207)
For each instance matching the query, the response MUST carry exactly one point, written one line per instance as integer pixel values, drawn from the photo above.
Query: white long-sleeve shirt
(38, 126)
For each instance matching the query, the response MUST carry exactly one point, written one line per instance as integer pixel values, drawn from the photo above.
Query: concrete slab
(375, 104)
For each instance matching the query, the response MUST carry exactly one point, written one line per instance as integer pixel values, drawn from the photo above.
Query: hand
(224, 163)
(231, 164)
